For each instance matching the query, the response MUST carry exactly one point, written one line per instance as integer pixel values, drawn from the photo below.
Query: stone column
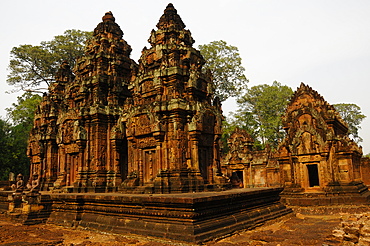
(194, 135)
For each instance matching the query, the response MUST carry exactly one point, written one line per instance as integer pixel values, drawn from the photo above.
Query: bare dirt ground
(295, 230)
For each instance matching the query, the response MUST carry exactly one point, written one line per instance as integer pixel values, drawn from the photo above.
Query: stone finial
(108, 17)
(170, 18)
(108, 26)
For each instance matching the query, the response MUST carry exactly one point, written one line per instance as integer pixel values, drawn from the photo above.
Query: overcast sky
(323, 43)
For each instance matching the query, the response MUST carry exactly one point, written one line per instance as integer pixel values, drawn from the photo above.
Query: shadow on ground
(297, 230)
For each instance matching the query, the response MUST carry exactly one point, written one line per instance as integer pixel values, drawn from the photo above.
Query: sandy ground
(294, 230)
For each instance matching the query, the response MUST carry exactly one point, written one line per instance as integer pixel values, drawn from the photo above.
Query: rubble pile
(353, 230)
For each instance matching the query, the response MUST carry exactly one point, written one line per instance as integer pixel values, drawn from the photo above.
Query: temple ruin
(121, 146)
(114, 125)
(317, 163)
(124, 147)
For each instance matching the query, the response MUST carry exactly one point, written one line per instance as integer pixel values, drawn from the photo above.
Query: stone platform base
(324, 198)
(189, 217)
(318, 200)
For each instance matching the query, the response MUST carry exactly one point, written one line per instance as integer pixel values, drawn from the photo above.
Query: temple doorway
(237, 179)
(204, 162)
(150, 165)
(123, 159)
(313, 175)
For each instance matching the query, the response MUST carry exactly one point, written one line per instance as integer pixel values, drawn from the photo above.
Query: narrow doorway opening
(240, 176)
(237, 179)
(313, 175)
(123, 159)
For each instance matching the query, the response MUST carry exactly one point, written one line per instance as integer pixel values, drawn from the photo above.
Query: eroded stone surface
(353, 230)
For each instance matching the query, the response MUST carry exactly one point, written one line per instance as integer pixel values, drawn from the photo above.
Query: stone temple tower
(72, 145)
(174, 124)
(113, 125)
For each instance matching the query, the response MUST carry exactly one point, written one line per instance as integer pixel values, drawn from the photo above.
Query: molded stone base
(174, 181)
(190, 217)
(354, 193)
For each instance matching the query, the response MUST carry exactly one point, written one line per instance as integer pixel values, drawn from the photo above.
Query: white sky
(323, 43)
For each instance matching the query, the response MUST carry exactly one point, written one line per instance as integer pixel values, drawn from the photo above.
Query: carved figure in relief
(306, 143)
(19, 186)
(34, 184)
(78, 131)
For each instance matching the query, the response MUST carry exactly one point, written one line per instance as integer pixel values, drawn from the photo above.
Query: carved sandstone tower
(73, 144)
(319, 163)
(43, 146)
(174, 125)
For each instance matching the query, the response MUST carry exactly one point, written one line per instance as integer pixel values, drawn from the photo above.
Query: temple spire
(170, 19)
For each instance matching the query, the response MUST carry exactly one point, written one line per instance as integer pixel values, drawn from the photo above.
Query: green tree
(351, 113)
(18, 142)
(13, 141)
(5, 153)
(31, 66)
(225, 63)
(14, 136)
(23, 111)
(259, 113)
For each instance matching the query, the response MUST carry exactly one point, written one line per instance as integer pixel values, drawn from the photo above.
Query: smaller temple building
(317, 159)
(249, 168)
(316, 163)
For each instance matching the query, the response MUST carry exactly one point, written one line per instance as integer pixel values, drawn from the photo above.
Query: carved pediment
(312, 124)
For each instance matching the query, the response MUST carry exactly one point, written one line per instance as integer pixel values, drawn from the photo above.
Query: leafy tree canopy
(23, 111)
(30, 66)
(225, 63)
(351, 113)
(14, 135)
(259, 113)
(5, 153)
